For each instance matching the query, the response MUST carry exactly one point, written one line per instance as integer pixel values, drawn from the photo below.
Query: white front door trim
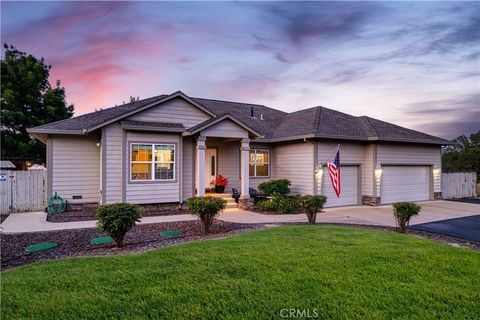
(211, 166)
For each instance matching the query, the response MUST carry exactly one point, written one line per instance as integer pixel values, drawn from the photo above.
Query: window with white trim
(259, 164)
(152, 162)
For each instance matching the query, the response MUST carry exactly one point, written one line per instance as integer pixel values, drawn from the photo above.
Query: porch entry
(210, 166)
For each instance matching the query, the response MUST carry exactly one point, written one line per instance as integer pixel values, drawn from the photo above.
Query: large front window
(259, 163)
(152, 161)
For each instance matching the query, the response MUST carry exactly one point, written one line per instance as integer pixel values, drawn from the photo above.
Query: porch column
(244, 175)
(200, 167)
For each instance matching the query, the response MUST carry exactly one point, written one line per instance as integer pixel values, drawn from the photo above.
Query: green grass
(345, 273)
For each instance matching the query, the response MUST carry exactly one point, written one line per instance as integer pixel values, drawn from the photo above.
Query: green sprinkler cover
(101, 240)
(40, 246)
(171, 234)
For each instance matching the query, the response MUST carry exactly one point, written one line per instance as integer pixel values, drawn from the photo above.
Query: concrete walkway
(37, 221)
(379, 216)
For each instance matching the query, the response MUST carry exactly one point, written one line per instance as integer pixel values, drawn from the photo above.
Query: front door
(210, 166)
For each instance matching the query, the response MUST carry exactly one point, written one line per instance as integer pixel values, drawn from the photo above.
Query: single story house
(168, 148)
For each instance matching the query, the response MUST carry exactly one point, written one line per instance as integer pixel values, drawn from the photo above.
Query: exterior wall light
(378, 171)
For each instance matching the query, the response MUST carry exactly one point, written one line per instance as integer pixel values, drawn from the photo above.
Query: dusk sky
(416, 64)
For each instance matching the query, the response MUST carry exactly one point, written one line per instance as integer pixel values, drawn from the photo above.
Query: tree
(28, 100)
(464, 155)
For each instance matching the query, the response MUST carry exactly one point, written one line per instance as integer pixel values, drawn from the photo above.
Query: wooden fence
(22, 191)
(459, 185)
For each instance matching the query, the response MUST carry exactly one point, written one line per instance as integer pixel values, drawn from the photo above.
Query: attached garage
(349, 185)
(405, 183)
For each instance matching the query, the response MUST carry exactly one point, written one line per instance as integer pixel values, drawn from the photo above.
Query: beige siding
(176, 111)
(408, 154)
(155, 191)
(228, 161)
(76, 167)
(112, 161)
(225, 129)
(188, 169)
(295, 162)
(351, 154)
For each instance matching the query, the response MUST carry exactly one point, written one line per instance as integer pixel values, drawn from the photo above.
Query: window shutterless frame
(152, 162)
(254, 152)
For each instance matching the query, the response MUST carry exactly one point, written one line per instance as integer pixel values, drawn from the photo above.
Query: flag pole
(331, 154)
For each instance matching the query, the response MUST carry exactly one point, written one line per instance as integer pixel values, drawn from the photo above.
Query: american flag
(334, 171)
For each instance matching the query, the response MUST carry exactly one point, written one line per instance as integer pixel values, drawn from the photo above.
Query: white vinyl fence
(22, 191)
(459, 185)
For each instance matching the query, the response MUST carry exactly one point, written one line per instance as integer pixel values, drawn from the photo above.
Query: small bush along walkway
(341, 272)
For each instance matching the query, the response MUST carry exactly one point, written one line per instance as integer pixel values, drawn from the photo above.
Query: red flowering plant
(219, 181)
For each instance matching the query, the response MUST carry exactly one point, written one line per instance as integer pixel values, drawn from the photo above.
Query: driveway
(377, 216)
(467, 228)
(363, 215)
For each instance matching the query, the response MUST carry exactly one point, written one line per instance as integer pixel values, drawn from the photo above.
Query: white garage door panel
(348, 184)
(405, 183)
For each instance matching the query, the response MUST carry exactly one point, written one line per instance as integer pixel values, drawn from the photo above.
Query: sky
(416, 64)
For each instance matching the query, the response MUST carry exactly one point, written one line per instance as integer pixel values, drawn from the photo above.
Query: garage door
(349, 186)
(405, 183)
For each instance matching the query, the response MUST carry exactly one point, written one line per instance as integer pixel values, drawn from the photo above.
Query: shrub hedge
(279, 187)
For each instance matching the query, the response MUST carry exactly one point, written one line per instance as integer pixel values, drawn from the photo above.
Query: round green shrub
(403, 211)
(279, 187)
(206, 208)
(281, 204)
(312, 205)
(117, 219)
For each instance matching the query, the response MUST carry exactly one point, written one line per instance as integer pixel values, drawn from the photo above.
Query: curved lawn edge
(343, 272)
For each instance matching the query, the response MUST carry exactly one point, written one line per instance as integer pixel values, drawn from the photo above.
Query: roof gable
(94, 120)
(176, 110)
(226, 122)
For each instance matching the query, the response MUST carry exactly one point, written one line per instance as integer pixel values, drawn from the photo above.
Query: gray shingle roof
(93, 119)
(318, 122)
(241, 111)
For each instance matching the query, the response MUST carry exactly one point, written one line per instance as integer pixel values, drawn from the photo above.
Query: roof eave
(156, 129)
(419, 141)
(56, 131)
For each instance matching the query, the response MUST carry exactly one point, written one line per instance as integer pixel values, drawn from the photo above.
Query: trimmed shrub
(281, 204)
(288, 205)
(403, 211)
(312, 205)
(279, 187)
(117, 219)
(267, 205)
(206, 208)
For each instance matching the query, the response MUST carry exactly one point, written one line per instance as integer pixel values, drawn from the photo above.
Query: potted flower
(220, 183)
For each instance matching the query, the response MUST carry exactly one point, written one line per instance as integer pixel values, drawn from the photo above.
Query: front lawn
(342, 273)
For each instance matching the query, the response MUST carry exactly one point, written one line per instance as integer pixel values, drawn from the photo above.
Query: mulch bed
(77, 242)
(89, 214)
